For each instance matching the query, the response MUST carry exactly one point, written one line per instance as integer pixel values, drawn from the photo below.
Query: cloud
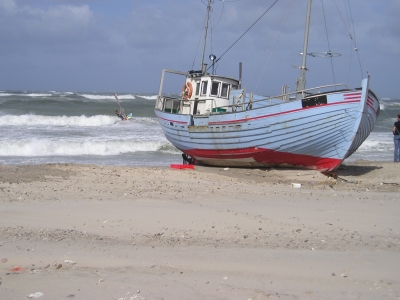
(35, 25)
(7, 5)
(91, 44)
(387, 32)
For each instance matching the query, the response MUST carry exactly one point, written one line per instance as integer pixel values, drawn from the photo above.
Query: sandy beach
(102, 232)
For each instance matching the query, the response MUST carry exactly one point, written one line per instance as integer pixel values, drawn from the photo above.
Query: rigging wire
(350, 21)
(329, 46)
(351, 38)
(211, 30)
(201, 34)
(246, 31)
(220, 17)
(279, 35)
(197, 49)
(212, 45)
(354, 34)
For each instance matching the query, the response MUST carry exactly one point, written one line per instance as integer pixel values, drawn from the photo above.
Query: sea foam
(48, 147)
(33, 120)
(149, 97)
(107, 97)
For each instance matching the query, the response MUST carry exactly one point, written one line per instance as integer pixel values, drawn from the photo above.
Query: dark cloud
(112, 45)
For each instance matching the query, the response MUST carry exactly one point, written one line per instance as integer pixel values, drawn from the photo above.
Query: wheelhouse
(202, 94)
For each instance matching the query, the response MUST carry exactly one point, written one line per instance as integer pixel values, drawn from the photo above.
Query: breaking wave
(34, 120)
(48, 147)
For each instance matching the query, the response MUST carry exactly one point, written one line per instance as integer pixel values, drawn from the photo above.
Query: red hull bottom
(266, 157)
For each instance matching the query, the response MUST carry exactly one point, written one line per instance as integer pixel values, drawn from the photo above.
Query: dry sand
(96, 232)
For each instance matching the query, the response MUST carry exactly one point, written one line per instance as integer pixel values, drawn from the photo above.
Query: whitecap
(49, 147)
(149, 97)
(107, 97)
(34, 120)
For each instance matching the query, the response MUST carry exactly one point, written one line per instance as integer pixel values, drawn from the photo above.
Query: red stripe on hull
(370, 103)
(352, 94)
(351, 99)
(267, 157)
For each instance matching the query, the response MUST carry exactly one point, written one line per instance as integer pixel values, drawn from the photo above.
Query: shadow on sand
(356, 170)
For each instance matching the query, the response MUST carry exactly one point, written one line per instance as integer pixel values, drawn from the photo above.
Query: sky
(123, 45)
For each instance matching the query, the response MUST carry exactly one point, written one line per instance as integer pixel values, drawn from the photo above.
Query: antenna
(301, 81)
(202, 66)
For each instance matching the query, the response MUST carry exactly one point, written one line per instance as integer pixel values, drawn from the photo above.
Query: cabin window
(204, 88)
(197, 88)
(224, 90)
(214, 88)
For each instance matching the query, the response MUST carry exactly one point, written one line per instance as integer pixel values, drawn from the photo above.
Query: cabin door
(196, 103)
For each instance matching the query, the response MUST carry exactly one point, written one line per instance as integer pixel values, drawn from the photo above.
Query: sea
(50, 127)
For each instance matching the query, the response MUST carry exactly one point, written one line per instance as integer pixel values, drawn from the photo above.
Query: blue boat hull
(291, 134)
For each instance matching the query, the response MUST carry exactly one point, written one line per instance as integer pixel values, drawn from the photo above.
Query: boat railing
(168, 104)
(175, 105)
(306, 92)
(285, 97)
(268, 101)
(241, 103)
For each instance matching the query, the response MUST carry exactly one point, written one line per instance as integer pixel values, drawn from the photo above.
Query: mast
(202, 66)
(301, 81)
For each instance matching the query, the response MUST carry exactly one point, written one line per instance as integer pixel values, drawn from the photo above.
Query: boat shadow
(356, 170)
(350, 170)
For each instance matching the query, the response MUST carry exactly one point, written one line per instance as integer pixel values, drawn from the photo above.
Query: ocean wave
(154, 97)
(377, 142)
(34, 120)
(376, 145)
(62, 94)
(169, 148)
(35, 95)
(147, 120)
(390, 102)
(46, 147)
(107, 97)
(25, 95)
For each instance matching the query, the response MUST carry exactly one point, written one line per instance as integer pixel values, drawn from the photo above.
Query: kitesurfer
(120, 114)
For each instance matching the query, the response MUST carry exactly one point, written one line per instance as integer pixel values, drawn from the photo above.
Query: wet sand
(96, 232)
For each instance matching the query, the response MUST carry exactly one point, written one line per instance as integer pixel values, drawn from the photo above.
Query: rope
(280, 32)
(327, 38)
(351, 37)
(211, 29)
(220, 17)
(350, 21)
(201, 34)
(245, 32)
(198, 45)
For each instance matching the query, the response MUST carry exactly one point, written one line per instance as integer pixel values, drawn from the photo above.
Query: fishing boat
(216, 122)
